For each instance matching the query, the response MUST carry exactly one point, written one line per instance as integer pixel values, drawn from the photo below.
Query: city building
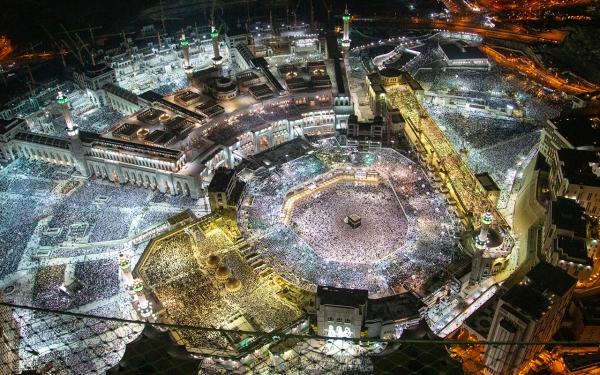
(576, 176)
(8, 131)
(388, 317)
(586, 316)
(530, 311)
(586, 100)
(225, 190)
(567, 239)
(581, 132)
(340, 312)
(365, 134)
(93, 78)
(461, 56)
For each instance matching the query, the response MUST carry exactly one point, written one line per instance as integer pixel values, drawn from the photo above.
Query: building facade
(340, 312)
(530, 311)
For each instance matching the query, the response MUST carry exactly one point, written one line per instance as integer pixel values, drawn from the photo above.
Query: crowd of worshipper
(80, 345)
(383, 225)
(41, 203)
(425, 251)
(99, 120)
(177, 272)
(97, 280)
(297, 58)
(460, 178)
(498, 144)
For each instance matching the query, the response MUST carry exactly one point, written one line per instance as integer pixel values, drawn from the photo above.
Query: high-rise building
(76, 145)
(530, 311)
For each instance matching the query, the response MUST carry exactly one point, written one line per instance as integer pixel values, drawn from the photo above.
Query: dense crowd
(320, 221)
(426, 250)
(99, 120)
(495, 143)
(176, 271)
(98, 280)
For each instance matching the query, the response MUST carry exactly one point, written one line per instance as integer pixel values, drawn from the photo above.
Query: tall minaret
(481, 242)
(187, 67)
(346, 36)
(486, 221)
(73, 132)
(217, 59)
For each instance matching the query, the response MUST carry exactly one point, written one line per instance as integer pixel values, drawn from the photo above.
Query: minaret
(346, 36)
(144, 307)
(77, 149)
(481, 240)
(187, 67)
(217, 59)
(480, 246)
(125, 266)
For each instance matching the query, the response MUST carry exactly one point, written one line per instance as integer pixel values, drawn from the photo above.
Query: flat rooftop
(221, 179)
(579, 130)
(567, 214)
(575, 166)
(454, 52)
(487, 182)
(545, 276)
(330, 295)
(397, 307)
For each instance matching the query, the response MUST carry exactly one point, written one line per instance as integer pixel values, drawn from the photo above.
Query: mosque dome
(213, 260)
(233, 285)
(223, 273)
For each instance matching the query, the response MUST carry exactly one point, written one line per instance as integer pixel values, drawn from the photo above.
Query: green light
(214, 34)
(184, 42)
(62, 100)
(346, 17)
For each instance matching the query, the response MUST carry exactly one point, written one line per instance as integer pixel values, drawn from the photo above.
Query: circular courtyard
(325, 213)
(294, 222)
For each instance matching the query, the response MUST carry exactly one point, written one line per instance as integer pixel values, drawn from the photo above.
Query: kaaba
(354, 221)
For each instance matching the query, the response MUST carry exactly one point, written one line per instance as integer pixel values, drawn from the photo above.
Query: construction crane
(87, 50)
(198, 39)
(116, 34)
(77, 55)
(90, 29)
(61, 49)
(73, 43)
(295, 13)
(328, 8)
(163, 19)
(212, 15)
(157, 36)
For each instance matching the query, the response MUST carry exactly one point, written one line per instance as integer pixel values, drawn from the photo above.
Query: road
(464, 27)
(536, 74)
